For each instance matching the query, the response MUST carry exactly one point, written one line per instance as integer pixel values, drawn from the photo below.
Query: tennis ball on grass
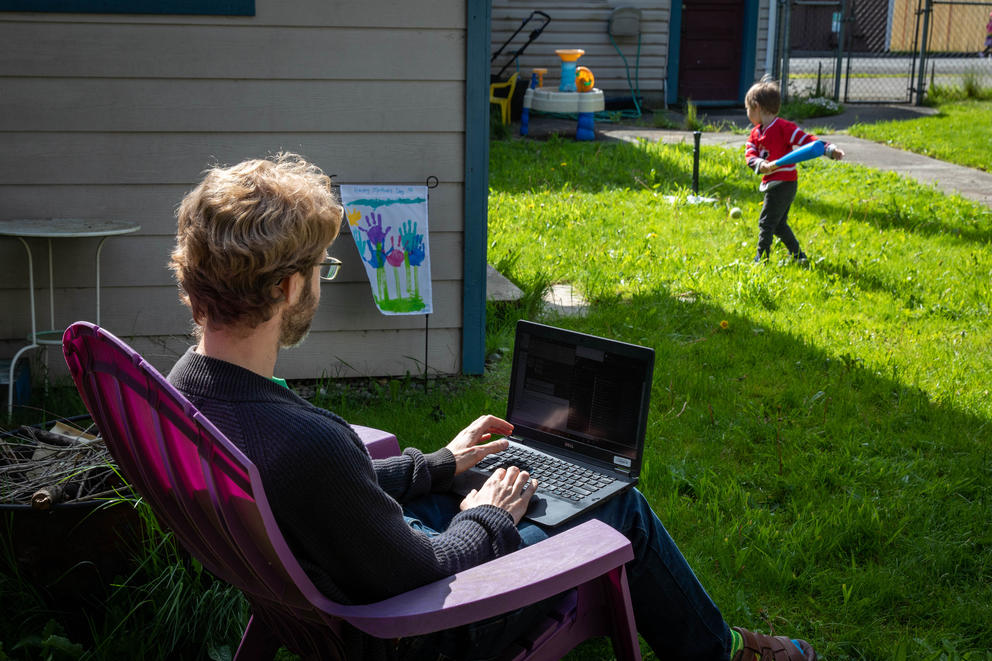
(736, 212)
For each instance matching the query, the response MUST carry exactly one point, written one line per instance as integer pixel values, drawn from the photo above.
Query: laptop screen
(580, 392)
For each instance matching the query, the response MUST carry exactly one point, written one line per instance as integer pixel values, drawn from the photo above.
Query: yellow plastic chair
(503, 101)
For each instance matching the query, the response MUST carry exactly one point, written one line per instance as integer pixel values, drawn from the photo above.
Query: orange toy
(584, 80)
(570, 54)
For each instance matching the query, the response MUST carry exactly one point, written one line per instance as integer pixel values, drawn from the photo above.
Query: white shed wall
(584, 24)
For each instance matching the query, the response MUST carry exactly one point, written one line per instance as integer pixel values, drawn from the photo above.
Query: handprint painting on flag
(389, 225)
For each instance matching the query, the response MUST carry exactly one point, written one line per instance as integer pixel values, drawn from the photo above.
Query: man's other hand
(470, 446)
(508, 488)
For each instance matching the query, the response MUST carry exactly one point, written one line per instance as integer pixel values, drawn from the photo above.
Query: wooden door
(711, 50)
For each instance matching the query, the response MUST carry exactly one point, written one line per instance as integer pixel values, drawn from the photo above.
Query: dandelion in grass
(724, 325)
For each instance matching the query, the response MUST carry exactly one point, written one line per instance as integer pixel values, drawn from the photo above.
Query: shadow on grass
(866, 280)
(897, 214)
(593, 167)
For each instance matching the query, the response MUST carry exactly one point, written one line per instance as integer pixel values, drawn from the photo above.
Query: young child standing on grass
(771, 138)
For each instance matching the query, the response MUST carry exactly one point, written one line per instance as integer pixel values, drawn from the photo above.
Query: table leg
(34, 326)
(34, 329)
(99, 249)
(51, 286)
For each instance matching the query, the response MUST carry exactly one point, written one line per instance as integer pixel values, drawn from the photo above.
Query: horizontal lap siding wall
(761, 57)
(116, 116)
(584, 25)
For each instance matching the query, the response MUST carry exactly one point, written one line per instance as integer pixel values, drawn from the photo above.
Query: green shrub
(798, 108)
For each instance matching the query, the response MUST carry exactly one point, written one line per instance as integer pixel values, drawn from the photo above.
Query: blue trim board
(749, 47)
(674, 48)
(205, 7)
(477, 46)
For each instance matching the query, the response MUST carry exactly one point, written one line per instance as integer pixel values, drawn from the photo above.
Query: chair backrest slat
(154, 458)
(243, 526)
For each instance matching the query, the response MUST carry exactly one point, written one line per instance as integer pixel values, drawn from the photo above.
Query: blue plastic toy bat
(812, 150)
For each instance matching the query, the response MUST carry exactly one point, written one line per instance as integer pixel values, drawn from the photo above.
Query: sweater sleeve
(327, 499)
(413, 473)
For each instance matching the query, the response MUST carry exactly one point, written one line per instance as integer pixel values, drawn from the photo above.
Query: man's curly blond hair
(244, 229)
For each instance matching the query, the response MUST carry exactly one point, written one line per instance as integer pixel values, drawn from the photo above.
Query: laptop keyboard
(553, 475)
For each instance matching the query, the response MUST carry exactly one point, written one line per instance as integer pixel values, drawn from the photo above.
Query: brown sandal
(759, 647)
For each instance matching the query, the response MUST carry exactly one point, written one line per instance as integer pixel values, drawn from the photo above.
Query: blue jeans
(674, 613)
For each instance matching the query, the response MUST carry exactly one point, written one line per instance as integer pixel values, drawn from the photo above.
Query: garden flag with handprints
(389, 225)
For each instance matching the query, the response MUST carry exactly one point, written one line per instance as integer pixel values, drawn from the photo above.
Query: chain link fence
(954, 35)
(881, 51)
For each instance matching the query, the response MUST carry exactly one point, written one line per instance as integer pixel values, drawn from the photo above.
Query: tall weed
(166, 607)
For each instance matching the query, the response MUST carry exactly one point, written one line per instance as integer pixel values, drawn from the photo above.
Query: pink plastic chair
(210, 495)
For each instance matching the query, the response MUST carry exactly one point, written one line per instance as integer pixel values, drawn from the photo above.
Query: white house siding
(761, 54)
(116, 116)
(584, 24)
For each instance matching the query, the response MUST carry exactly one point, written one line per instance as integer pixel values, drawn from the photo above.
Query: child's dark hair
(765, 94)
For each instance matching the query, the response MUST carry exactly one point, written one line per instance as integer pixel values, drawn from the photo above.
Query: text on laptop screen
(583, 394)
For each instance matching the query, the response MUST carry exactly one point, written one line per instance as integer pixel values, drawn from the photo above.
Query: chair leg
(626, 646)
(258, 643)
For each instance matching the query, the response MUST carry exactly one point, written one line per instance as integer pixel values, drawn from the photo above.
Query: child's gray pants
(774, 217)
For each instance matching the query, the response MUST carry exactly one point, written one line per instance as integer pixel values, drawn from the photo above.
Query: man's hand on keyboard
(509, 488)
(470, 446)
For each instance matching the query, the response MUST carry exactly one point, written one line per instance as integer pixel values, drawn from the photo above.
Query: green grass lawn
(822, 457)
(960, 133)
(818, 443)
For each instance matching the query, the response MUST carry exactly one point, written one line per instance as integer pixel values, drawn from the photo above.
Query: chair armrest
(380, 444)
(531, 574)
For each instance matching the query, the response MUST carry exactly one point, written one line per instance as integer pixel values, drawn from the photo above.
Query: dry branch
(61, 465)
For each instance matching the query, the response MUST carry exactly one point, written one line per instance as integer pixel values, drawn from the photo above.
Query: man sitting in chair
(250, 258)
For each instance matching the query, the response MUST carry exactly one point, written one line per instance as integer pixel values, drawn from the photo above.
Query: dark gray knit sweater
(339, 510)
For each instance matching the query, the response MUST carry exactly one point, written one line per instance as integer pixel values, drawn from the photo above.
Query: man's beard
(296, 322)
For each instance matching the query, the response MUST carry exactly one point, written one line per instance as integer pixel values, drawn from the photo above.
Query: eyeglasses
(329, 269)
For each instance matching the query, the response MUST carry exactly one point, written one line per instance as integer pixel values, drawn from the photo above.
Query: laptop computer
(578, 399)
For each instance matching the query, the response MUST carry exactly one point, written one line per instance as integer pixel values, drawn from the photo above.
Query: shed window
(208, 7)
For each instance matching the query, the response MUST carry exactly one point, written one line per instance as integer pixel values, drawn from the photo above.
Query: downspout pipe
(478, 20)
